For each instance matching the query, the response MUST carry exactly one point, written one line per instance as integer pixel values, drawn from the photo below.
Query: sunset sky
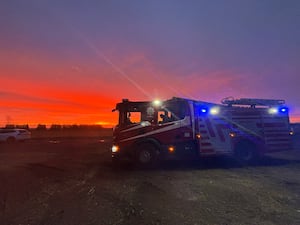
(70, 62)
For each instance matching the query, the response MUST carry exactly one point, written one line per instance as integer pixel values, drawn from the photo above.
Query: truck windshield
(135, 113)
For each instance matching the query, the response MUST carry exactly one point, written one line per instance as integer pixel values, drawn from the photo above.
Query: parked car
(13, 135)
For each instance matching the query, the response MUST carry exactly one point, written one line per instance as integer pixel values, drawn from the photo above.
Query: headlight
(273, 110)
(157, 102)
(214, 110)
(115, 148)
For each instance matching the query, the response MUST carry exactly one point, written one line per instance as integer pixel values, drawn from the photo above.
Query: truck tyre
(146, 155)
(245, 152)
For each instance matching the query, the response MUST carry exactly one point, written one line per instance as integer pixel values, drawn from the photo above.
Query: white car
(13, 135)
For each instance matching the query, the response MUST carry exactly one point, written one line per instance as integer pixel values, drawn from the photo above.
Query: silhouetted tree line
(73, 127)
(55, 127)
(12, 126)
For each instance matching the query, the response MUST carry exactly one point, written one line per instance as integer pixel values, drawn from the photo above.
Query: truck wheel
(245, 152)
(10, 140)
(146, 155)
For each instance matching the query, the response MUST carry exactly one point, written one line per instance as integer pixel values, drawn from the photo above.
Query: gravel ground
(72, 181)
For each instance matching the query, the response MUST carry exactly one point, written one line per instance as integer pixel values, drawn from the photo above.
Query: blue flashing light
(283, 109)
(204, 110)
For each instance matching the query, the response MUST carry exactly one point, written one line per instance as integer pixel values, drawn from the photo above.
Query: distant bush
(83, 126)
(41, 127)
(55, 127)
(24, 126)
(70, 127)
(74, 126)
(10, 126)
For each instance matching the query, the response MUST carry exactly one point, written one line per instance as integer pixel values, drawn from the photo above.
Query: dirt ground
(71, 181)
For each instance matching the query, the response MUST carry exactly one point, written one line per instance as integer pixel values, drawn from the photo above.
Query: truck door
(213, 129)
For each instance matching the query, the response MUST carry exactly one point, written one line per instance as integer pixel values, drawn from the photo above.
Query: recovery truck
(181, 128)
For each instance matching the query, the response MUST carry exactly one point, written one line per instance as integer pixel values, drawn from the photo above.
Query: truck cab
(148, 130)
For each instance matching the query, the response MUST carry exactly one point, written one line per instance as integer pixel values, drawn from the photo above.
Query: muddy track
(73, 182)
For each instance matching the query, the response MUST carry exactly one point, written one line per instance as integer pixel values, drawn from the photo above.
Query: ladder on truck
(252, 102)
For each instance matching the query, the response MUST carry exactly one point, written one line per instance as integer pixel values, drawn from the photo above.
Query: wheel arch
(146, 147)
(152, 141)
(246, 150)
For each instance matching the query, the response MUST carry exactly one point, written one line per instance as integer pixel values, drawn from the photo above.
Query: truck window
(163, 117)
(135, 117)
(176, 110)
